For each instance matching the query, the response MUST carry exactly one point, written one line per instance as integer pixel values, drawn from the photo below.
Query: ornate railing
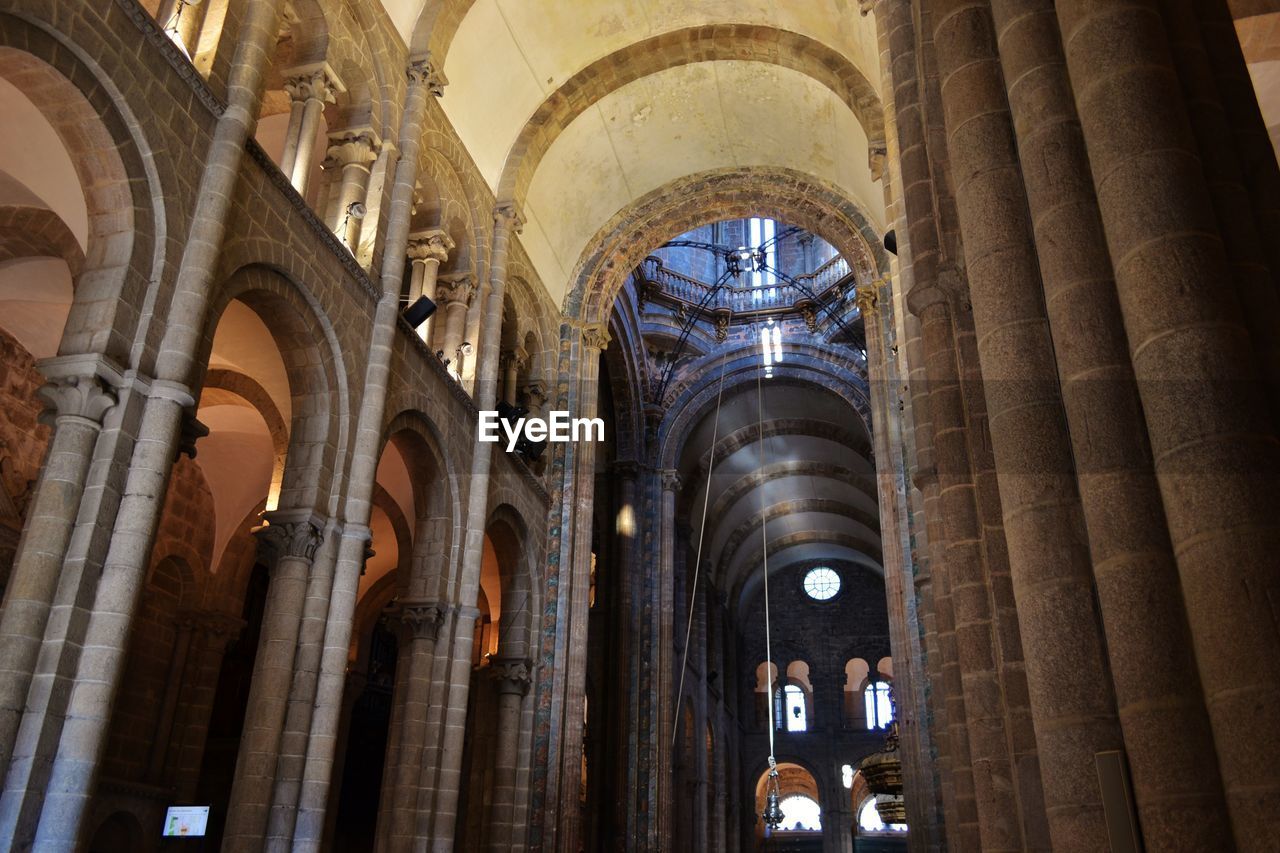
(776, 295)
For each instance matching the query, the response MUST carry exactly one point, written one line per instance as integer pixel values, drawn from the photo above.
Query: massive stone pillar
(1152, 667)
(80, 401)
(350, 155)
(594, 339)
(289, 542)
(903, 625)
(310, 87)
(422, 620)
(89, 664)
(427, 251)
(1073, 709)
(1224, 171)
(1213, 441)
(423, 82)
(507, 223)
(512, 678)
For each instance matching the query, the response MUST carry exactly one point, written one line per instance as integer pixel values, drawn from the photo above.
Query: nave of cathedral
(923, 486)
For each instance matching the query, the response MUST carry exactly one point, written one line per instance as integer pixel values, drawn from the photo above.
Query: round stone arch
(317, 381)
(127, 215)
(518, 630)
(740, 368)
(710, 43)
(464, 213)
(739, 192)
(437, 505)
(436, 25)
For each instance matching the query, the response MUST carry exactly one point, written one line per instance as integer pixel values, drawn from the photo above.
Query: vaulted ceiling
(575, 109)
(794, 460)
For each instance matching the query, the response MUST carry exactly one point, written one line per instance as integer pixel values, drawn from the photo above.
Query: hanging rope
(772, 809)
(697, 565)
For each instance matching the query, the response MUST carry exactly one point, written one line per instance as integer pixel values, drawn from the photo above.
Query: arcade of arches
(936, 345)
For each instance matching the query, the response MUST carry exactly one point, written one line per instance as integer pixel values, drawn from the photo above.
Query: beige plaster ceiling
(687, 119)
(510, 56)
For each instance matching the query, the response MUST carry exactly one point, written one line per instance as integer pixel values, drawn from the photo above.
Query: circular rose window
(821, 583)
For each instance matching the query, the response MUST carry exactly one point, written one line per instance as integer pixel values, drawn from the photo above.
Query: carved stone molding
(288, 537)
(508, 215)
(85, 398)
(866, 298)
(423, 71)
(189, 432)
(421, 618)
(596, 336)
(433, 244)
(357, 147)
(460, 287)
(315, 82)
(513, 675)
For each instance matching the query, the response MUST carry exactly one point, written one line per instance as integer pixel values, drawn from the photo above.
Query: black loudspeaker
(891, 242)
(420, 311)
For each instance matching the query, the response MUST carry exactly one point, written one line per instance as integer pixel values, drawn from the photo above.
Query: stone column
(1072, 708)
(1152, 666)
(1257, 156)
(1212, 437)
(423, 82)
(456, 292)
(421, 620)
(513, 361)
(288, 543)
(80, 400)
(351, 153)
(310, 87)
(595, 337)
(903, 625)
(1224, 170)
(507, 222)
(661, 663)
(97, 655)
(512, 678)
(427, 251)
(186, 622)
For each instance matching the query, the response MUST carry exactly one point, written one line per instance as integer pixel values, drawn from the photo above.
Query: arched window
(869, 819)
(789, 709)
(879, 709)
(800, 814)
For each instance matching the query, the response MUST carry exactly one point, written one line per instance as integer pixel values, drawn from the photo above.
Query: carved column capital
(355, 147)
(513, 675)
(432, 244)
(423, 72)
(671, 480)
(81, 397)
(866, 298)
(422, 618)
(596, 336)
(286, 535)
(460, 287)
(313, 82)
(508, 215)
(515, 357)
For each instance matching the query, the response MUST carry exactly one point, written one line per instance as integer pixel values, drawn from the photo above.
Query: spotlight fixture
(419, 312)
(891, 241)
